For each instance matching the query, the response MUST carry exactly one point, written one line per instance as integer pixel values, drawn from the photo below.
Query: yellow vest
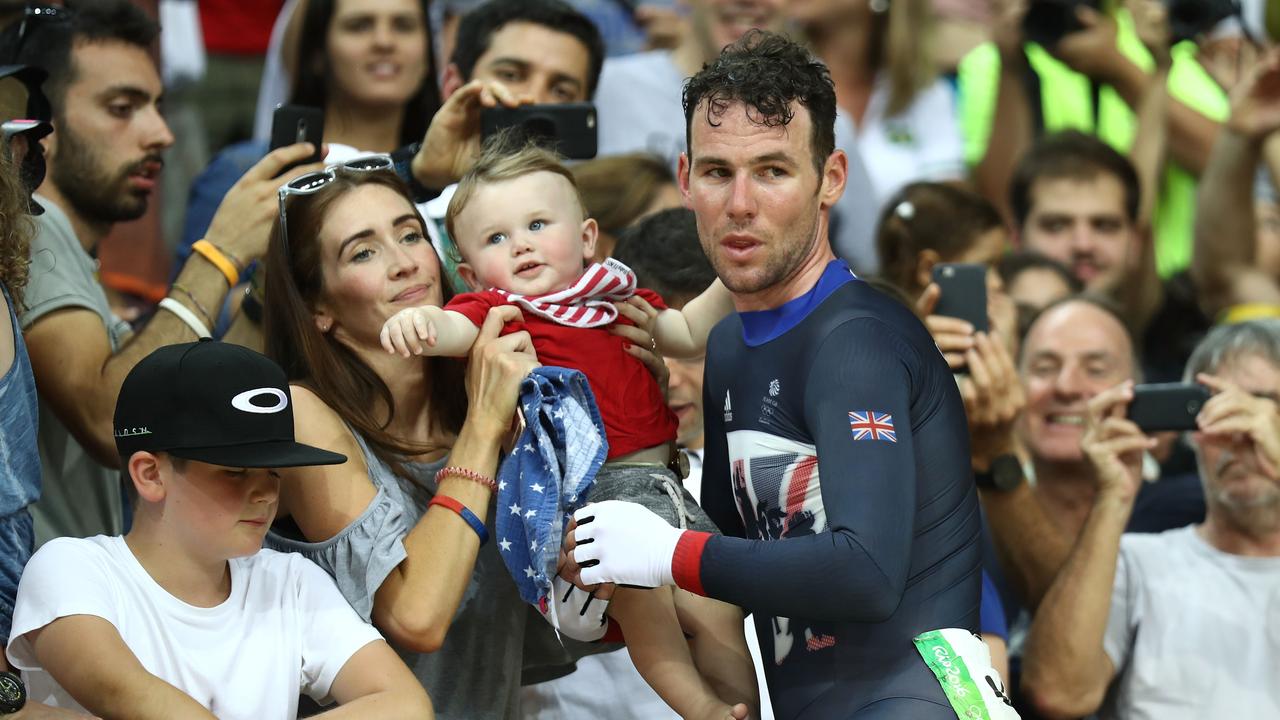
(1066, 99)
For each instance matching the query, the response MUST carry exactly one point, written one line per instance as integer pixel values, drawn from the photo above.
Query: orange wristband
(211, 253)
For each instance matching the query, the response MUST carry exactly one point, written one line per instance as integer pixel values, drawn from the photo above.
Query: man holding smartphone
(1181, 624)
(508, 53)
(104, 160)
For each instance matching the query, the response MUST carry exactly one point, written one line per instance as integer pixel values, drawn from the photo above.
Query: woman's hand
(953, 336)
(498, 364)
(641, 344)
(993, 400)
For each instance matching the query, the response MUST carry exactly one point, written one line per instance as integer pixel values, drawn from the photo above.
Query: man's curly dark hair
(766, 72)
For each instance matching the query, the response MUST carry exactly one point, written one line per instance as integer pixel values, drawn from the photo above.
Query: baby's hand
(406, 330)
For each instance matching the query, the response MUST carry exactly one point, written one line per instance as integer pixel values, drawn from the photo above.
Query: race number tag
(962, 665)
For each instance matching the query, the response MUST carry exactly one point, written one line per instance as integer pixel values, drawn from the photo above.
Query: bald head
(1075, 349)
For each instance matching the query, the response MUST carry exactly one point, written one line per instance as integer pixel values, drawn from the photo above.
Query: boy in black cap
(185, 616)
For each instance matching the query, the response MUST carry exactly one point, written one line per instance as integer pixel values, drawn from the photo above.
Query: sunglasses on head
(33, 16)
(314, 181)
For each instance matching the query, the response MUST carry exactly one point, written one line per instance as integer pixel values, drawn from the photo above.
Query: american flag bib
(587, 303)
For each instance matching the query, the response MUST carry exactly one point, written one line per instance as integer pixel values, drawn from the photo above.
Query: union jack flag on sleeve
(872, 425)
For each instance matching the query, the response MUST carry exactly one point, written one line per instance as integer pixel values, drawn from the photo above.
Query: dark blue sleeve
(208, 190)
(717, 489)
(991, 613)
(856, 569)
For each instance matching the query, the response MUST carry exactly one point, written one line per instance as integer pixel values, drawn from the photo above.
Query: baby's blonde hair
(498, 163)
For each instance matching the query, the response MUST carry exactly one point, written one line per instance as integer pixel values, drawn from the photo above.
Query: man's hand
(625, 543)
(1233, 413)
(452, 143)
(243, 221)
(1255, 101)
(576, 612)
(1092, 50)
(1113, 444)
(993, 400)
(1228, 61)
(1006, 27)
(1151, 23)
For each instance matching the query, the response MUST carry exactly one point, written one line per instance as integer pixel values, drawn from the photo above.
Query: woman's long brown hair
(294, 283)
(16, 229)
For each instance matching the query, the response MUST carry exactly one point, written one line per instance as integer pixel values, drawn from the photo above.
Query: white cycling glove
(624, 543)
(576, 613)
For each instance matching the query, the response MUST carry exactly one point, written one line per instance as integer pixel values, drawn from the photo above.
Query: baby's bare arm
(683, 333)
(429, 330)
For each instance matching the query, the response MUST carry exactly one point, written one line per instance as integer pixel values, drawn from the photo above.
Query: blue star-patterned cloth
(547, 475)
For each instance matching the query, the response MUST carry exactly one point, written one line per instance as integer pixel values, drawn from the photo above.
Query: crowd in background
(1113, 166)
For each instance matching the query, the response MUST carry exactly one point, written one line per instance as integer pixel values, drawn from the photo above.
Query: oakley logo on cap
(244, 401)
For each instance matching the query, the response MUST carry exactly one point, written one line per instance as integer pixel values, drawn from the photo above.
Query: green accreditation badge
(953, 674)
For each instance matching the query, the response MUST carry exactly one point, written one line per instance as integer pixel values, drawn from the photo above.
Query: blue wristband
(463, 512)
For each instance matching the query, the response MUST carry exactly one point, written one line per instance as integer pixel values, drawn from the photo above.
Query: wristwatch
(679, 463)
(13, 694)
(1004, 475)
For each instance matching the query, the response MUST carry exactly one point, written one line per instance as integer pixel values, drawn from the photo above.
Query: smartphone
(1047, 21)
(964, 292)
(292, 124)
(1189, 19)
(569, 128)
(1167, 406)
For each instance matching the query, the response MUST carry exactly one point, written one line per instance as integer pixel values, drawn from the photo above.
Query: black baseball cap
(212, 402)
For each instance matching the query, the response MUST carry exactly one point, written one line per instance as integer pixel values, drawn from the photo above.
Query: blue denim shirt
(19, 469)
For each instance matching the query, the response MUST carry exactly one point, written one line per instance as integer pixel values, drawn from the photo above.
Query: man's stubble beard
(1253, 513)
(96, 193)
(777, 268)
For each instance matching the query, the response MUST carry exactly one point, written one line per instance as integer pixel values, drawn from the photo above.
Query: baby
(519, 224)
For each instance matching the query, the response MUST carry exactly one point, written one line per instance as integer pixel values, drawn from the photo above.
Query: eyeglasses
(312, 182)
(32, 16)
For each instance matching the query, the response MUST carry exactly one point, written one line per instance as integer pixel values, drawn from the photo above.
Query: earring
(325, 325)
(879, 6)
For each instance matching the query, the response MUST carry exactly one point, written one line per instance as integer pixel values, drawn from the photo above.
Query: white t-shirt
(1193, 632)
(283, 630)
(638, 106)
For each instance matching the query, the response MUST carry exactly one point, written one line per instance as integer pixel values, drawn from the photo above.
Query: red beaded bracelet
(465, 474)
